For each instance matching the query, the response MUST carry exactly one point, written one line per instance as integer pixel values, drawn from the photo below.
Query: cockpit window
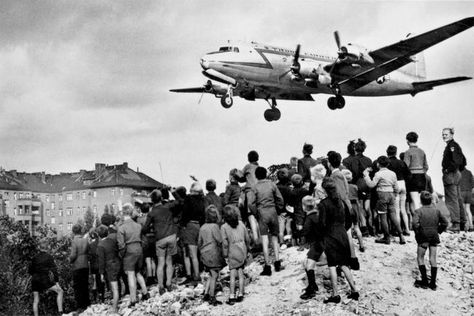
(225, 49)
(236, 49)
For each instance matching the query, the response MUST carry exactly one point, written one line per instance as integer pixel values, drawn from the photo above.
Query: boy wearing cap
(428, 223)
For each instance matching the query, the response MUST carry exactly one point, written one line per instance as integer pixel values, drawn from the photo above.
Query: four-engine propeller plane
(256, 71)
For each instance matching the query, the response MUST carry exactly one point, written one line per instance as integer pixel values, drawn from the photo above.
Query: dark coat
(210, 246)
(428, 222)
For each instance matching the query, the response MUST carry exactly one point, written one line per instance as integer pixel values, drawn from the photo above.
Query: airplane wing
(429, 85)
(208, 87)
(392, 57)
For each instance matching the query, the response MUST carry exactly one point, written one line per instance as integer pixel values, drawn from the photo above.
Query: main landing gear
(336, 102)
(272, 114)
(226, 99)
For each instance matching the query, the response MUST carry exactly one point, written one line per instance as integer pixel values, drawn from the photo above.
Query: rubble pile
(385, 282)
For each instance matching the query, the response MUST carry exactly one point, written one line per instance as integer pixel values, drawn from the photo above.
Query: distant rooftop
(102, 176)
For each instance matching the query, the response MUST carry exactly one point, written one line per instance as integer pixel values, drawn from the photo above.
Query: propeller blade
(200, 98)
(338, 40)
(297, 53)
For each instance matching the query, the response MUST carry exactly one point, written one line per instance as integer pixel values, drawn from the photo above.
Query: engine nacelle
(354, 54)
(308, 69)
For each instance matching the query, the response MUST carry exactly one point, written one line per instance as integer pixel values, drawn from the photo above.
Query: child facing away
(235, 244)
(233, 189)
(44, 277)
(428, 223)
(210, 247)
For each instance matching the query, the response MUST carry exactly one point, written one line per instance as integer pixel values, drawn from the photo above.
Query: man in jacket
(453, 160)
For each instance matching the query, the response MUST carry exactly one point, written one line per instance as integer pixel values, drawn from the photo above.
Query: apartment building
(61, 200)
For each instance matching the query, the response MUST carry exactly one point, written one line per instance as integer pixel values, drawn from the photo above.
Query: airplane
(257, 71)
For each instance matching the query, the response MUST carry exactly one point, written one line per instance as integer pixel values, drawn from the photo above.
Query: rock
(176, 307)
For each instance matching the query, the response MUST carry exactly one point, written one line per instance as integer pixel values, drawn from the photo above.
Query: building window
(121, 192)
(60, 227)
(94, 193)
(69, 197)
(60, 213)
(53, 205)
(15, 196)
(83, 210)
(95, 209)
(69, 211)
(27, 195)
(20, 210)
(60, 197)
(113, 192)
(47, 197)
(53, 220)
(48, 213)
(15, 211)
(21, 195)
(69, 226)
(78, 195)
(83, 195)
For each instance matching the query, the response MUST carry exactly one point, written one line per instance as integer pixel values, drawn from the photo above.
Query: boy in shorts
(266, 200)
(41, 267)
(428, 223)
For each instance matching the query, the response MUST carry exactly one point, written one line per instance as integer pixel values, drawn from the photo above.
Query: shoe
(333, 299)
(132, 304)
(362, 249)
(162, 290)
(353, 296)
(421, 284)
(187, 280)
(432, 286)
(206, 297)
(278, 266)
(214, 302)
(406, 233)
(355, 264)
(308, 293)
(267, 270)
(239, 298)
(383, 241)
(402, 241)
(170, 288)
(145, 297)
(231, 301)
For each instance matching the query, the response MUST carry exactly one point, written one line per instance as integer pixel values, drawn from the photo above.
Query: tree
(106, 209)
(88, 219)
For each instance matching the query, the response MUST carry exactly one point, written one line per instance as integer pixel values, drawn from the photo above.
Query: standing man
(453, 160)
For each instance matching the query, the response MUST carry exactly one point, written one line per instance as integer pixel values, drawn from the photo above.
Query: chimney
(125, 165)
(43, 177)
(99, 168)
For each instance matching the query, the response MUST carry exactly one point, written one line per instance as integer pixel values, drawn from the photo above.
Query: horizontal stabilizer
(429, 85)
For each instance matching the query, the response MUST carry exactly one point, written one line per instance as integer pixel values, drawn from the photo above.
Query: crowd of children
(315, 204)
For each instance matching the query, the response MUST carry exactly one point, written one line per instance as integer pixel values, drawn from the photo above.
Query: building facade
(62, 200)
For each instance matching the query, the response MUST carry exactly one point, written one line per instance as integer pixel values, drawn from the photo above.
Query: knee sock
(311, 279)
(424, 277)
(434, 272)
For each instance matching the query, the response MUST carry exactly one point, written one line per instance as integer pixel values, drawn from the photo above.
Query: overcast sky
(88, 81)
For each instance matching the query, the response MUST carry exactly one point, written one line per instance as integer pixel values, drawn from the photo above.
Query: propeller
(207, 87)
(339, 52)
(295, 67)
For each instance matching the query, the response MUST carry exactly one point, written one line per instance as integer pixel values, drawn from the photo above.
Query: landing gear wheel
(340, 102)
(272, 115)
(332, 103)
(226, 101)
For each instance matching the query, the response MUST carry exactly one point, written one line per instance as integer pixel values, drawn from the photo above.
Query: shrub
(17, 248)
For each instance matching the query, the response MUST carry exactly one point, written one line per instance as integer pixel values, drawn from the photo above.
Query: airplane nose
(204, 63)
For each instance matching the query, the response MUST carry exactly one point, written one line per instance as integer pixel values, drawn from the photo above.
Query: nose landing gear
(272, 114)
(226, 99)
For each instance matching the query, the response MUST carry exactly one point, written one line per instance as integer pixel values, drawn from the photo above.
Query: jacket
(79, 253)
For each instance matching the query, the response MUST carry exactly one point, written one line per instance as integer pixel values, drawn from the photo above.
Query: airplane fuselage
(263, 65)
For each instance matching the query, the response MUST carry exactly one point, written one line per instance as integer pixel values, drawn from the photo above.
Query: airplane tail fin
(421, 86)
